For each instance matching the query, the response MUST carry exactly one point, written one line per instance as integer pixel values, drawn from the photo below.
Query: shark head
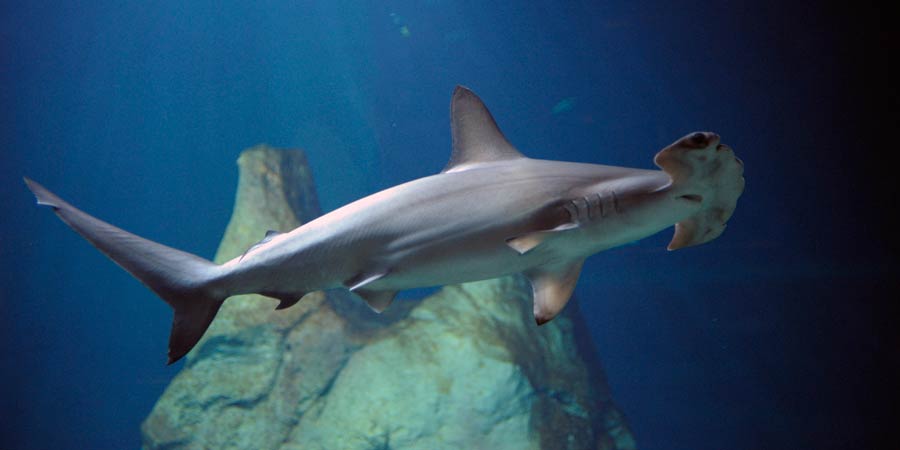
(706, 173)
(697, 190)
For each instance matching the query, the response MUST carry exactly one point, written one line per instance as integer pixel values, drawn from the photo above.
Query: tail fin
(708, 172)
(186, 282)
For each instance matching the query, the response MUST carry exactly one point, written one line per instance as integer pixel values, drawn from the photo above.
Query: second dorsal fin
(269, 235)
(476, 137)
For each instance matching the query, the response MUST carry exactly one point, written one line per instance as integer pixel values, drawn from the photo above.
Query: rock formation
(465, 368)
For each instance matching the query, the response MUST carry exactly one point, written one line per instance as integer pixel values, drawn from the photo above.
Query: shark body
(491, 212)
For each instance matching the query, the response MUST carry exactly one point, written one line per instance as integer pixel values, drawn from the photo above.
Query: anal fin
(552, 287)
(287, 299)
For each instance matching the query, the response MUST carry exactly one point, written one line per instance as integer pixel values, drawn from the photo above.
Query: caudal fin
(706, 171)
(188, 283)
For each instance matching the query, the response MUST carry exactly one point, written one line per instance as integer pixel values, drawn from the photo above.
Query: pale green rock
(465, 368)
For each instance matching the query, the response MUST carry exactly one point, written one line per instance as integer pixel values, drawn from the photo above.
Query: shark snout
(701, 139)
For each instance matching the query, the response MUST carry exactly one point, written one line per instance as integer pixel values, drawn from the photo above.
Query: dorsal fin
(269, 235)
(476, 137)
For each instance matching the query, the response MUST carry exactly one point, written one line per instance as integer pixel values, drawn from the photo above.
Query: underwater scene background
(775, 335)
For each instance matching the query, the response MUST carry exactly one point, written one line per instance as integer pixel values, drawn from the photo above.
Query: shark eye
(698, 138)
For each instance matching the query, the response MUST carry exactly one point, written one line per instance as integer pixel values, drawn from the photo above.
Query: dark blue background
(772, 336)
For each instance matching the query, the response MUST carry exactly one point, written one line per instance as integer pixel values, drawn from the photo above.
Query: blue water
(765, 338)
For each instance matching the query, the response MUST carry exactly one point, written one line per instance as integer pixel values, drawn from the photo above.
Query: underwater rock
(464, 368)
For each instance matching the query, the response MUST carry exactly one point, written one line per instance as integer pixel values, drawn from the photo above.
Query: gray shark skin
(491, 212)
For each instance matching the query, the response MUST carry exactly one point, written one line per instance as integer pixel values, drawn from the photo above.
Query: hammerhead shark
(491, 212)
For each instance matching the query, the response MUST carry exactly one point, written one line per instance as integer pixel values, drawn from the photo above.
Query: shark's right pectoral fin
(552, 286)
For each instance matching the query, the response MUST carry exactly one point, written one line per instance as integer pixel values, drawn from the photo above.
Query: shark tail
(191, 285)
(707, 172)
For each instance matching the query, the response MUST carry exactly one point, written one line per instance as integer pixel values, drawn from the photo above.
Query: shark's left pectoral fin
(528, 241)
(552, 287)
(523, 244)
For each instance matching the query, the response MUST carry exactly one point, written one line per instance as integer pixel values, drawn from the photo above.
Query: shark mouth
(693, 198)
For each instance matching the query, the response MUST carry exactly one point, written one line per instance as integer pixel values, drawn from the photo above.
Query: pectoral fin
(527, 242)
(524, 243)
(552, 287)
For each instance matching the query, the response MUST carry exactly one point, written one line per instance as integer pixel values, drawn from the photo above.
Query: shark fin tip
(43, 196)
